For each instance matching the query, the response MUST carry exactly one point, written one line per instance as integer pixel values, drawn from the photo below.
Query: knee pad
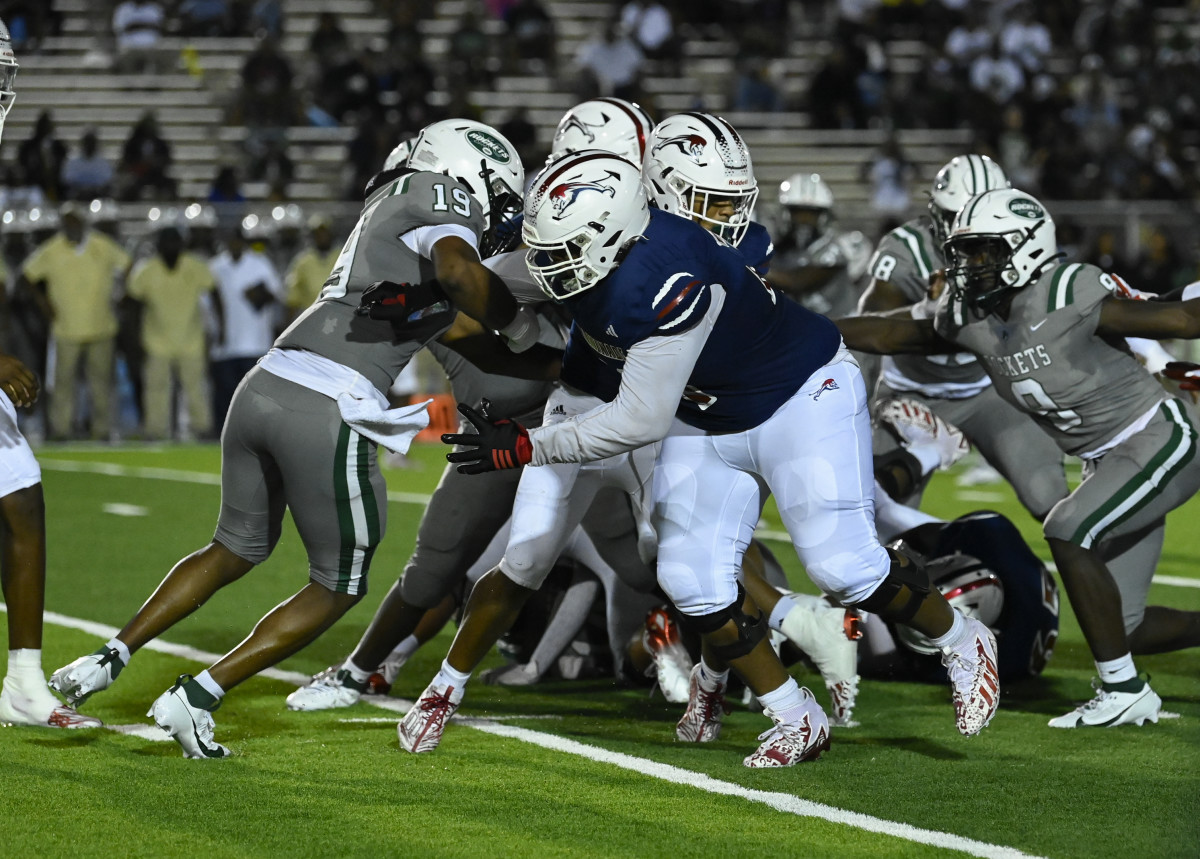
(750, 630)
(898, 472)
(906, 580)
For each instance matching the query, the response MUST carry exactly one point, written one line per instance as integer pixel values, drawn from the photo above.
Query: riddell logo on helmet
(1025, 208)
(691, 145)
(563, 196)
(488, 145)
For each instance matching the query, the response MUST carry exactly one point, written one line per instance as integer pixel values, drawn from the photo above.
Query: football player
(816, 263)
(955, 386)
(1044, 329)
(24, 699)
(303, 426)
(664, 304)
(460, 521)
(697, 166)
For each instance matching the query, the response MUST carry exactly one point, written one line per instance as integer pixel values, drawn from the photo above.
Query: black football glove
(495, 444)
(1185, 373)
(404, 305)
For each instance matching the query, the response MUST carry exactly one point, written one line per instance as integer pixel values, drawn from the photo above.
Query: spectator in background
(530, 37)
(889, 174)
(273, 166)
(1015, 152)
(137, 27)
(1024, 39)
(170, 289)
(266, 100)
(328, 39)
(753, 88)
(649, 23)
(346, 84)
(145, 160)
(833, 95)
(998, 79)
(970, 39)
(79, 269)
(226, 188)
(266, 18)
(87, 174)
(523, 135)
(204, 18)
(609, 65)
(249, 290)
(311, 267)
(41, 157)
(471, 53)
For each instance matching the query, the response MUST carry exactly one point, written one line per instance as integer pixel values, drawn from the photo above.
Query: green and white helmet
(1000, 242)
(959, 180)
(485, 161)
(8, 74)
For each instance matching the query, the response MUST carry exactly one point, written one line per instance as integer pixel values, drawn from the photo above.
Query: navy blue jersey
(757, 248)
(1028, 624)
(761, 351)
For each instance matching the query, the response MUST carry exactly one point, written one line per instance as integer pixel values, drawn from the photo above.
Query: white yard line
(784, 802)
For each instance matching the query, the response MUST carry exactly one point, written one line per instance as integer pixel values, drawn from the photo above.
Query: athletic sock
(954, 635)
(712, 680)
(450, 676)
(358, 677)
(784, 704)
(25, 667)
(406, 648)
(122, 651)
(780, 611)
(1114, 672)
(203, 692)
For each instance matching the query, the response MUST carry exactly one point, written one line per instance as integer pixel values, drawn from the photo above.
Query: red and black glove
(403, 304)
(495, 444)
(1185, 373)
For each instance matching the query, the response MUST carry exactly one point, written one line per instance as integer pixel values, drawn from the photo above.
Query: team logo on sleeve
(563, 196)
(691, 145)
(827, 385)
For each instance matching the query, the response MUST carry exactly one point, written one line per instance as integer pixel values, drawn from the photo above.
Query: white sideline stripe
(784, 802)
(469, 722)
(114, 470)
(151, 732)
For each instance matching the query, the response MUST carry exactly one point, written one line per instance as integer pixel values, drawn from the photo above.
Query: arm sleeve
(656, 372)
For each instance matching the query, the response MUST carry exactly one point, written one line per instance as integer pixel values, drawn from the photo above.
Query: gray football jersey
(374, 251)
(839, 297)
(1047, 360)
(905, 258)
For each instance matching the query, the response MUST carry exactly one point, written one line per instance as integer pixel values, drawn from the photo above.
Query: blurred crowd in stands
(1077, 99)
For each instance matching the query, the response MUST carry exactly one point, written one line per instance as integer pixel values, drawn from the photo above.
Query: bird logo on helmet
(691, 145)
(564, 195)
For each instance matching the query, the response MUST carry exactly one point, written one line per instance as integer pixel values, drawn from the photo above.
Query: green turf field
(561, 769)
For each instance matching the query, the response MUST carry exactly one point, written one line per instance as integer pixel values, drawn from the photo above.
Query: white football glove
(926, 436)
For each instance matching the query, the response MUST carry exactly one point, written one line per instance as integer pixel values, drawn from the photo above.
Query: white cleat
(829, 636)
(789, 743)
(919, 428)
(701, 722)
(38, 708)
(974, 678)
(87, 675)
(191, 727)
(1111, 708)
(512, 675)
(672, 664)
(329, 690)
(421, 728)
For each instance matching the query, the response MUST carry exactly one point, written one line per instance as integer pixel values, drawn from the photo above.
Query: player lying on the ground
(666, 303)
(1045, 332)
(304, 425)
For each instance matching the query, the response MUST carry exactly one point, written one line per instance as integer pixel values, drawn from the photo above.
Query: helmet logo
(585, 128)
(563, 196)
(691, 145)
(488, 146)
(1025, 208)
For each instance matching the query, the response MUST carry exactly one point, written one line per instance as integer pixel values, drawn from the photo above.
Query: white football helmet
(967, 585)
(8, 74)
(399, 156)
(959, 180)
(612, 124)
(695, 161)
(581, 212)
(806, 208)
(485, 161)
(999, 242)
